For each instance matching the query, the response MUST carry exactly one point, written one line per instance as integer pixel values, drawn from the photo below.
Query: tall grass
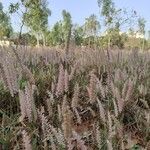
(85, 100)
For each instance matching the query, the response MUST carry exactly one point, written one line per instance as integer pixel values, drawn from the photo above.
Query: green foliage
(22, 83)
(5, 25)
(117, 39)
(59, 33)
(91, 26)
(135, 147)
(37, 15)
(115, 19)
(78, 34)
(56, 36)
(67, 22)
(28, 39)
(34, 15)
(107, 10)
(66, 28)
(1, 6)
(141, 25)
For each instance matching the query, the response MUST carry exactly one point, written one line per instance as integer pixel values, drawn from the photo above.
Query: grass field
(89, 99)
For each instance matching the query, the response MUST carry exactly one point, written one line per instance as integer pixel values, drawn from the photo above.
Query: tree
(78, 34)
(36, 18)
(149, 35)
(141, 29)
(91, 27)
(60, 34)
(20, 9)
(34, 15)
(115, 19)
(149, 38)
(55, 36)
(5, 25)
(67, 26)
(141, 25)
(107, 11)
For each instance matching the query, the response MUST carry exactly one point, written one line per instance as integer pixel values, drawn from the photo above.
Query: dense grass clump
(85, 100)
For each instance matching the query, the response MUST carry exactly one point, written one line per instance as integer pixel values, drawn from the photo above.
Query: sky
(81, 9)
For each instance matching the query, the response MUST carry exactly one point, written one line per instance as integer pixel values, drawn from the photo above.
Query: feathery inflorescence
(95, 100)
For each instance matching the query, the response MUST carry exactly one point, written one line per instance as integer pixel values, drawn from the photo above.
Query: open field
(86, 100)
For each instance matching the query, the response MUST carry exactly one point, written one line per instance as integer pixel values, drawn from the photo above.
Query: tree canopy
(5, 24)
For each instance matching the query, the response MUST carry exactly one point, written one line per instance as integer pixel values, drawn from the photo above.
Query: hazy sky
(80, 9)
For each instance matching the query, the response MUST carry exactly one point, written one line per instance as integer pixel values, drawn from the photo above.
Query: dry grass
(87, 100)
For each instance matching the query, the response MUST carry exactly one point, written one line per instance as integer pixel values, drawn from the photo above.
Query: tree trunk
(44, 41)
(89, 42)
(68, 41)
(109, 43)
(143, 44)
(108, 49)
(37, 38)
